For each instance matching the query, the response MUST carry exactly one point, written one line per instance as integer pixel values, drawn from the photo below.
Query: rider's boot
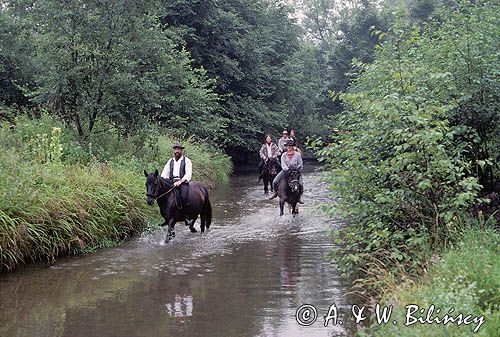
(301, 190)
(275, 194)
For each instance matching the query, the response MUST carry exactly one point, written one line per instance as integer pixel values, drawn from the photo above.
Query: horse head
(152, 186)
(293, 180)
(272, 167)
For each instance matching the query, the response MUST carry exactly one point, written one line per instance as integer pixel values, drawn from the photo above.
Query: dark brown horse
(290, 190)
(169, 201)
(269, 172)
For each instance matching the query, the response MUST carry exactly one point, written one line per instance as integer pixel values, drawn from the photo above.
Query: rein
(160, 196)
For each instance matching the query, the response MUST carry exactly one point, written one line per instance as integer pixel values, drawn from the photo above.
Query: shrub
(410, 154)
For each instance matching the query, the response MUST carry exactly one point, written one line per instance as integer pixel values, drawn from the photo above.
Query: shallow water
(245, 277)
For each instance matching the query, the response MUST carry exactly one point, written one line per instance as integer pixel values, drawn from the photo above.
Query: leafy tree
(245, 45)
(15, 75)
(112, 61)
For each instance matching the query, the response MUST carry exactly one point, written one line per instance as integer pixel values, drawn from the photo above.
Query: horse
(289, 190)
(169, 201)
(270, 170)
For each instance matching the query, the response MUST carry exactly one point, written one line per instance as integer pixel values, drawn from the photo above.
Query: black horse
(290, 190)
(169, 201)
(270, 170)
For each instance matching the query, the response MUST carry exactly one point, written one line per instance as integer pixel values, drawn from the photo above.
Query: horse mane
(164, 182)
(294, 171)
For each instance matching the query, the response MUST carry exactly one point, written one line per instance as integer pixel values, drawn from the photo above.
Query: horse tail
(207, 209)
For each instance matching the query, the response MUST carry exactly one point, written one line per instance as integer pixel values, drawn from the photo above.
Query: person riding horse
(283, 140)
(290, 160)
(267, 151)
(179, 170)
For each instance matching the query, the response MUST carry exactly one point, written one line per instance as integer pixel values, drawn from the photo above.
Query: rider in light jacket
(290, 160)
(268, 150)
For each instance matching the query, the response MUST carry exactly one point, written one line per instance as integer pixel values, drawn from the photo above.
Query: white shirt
(177, 167)
(269, 151)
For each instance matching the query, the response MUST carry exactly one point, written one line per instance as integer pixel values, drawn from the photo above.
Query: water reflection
(182, 306)
(244, 278)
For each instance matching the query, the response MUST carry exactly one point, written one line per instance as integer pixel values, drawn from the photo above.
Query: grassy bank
(465, 277)
(59, 196)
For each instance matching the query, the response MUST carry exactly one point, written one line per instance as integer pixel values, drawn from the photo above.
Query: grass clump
(466, 278)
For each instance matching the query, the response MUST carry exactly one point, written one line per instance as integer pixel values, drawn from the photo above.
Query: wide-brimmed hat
(290, 142)
(178, 145)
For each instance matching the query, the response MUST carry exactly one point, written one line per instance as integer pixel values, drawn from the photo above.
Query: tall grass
(59, 196)
(466, 278)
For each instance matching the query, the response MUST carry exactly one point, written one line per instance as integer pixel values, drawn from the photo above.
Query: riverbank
(62, 197)
(465, 277)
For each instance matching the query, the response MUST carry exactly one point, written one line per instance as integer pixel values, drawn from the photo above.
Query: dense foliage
(418, 142)
(108, 61)
(227, 72)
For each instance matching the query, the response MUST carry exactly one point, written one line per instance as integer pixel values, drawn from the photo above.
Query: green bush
(412, 152)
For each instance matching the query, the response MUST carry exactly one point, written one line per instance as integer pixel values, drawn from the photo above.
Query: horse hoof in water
(192, 229)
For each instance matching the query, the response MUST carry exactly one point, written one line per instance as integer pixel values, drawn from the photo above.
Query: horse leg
(170, 231)
(191, 227)
(295, 209)
(164, 217)
(206, 214)
(282, 205)
(202, 222)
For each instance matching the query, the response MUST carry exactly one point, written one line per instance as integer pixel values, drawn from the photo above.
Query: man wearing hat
(282, 141)
(179, 171)
(290, 160)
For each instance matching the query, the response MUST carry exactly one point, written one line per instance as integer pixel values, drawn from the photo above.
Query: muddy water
(246, 277)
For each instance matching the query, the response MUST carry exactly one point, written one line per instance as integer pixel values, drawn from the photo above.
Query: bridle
(292, 182)
(177, 201)
(156, 196)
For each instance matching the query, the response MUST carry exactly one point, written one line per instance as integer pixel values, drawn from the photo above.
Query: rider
(290, 160)
(179, 171)
(292, 137)
(282, 141)
(267, 151)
